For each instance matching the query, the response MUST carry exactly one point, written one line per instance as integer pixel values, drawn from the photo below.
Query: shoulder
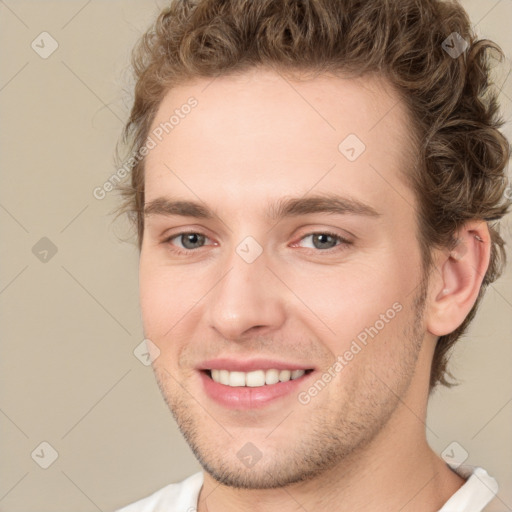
(180, 496)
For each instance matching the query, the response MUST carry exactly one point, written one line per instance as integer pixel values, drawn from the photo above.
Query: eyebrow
(282, 208)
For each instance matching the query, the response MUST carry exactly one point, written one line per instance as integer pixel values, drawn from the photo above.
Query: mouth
(255, 378)
(252, 384)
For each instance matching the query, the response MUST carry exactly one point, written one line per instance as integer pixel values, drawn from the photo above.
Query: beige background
(69, 326)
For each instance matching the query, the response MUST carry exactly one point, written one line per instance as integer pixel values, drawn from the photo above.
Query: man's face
(266, 290)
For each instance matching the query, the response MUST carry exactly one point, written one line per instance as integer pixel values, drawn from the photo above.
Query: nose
(247, 299)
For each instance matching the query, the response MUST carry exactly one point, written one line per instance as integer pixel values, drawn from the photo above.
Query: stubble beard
(324, 441)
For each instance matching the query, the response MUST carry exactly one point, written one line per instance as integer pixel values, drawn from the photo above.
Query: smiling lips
(251, 383)
(256, 378)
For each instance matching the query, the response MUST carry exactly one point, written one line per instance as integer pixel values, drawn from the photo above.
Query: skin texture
(254, 139)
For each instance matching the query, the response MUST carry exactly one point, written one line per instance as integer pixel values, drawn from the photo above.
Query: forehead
(262, 127)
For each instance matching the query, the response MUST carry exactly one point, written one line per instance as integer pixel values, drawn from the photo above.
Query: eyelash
(343, 242)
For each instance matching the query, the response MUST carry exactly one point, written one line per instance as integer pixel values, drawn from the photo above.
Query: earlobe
(459, 276)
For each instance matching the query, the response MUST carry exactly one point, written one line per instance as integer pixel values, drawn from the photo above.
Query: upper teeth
(255, 378)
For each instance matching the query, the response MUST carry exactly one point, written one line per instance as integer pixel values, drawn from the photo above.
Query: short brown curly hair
(461, 154)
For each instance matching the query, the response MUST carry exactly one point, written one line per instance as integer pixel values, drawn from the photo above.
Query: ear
(457, 277)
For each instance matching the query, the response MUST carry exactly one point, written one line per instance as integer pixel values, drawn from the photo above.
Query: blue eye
(189, 241)
(325, 240)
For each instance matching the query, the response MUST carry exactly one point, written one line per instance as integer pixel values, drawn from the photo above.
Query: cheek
(350, 298)
(168, 297)
(359, 311)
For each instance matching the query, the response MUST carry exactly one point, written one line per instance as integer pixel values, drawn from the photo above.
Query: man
(316, 186)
